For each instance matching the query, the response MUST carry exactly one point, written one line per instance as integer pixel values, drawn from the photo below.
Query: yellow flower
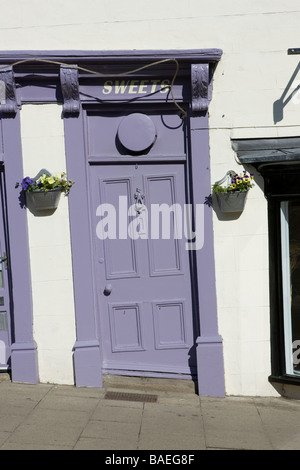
(246, 180)
(238, 181)
(233, 186)
(51, 180)
(42, 178)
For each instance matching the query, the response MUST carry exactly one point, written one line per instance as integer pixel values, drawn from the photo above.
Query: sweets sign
(135, 87)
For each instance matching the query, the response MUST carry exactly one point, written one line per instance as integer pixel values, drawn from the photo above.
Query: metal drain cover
(130, 397)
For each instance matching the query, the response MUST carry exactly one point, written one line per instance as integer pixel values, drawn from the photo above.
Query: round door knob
(107, 289)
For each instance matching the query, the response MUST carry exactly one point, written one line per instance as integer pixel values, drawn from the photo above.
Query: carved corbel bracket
(70, 89)
(8, 97)
(200, 87)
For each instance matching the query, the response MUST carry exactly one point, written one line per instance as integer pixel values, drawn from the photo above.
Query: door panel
(164, 253)
(120, 257)
(143, 282)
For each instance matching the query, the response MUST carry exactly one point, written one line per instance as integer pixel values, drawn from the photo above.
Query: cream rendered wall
(253, 74)
(49, 243)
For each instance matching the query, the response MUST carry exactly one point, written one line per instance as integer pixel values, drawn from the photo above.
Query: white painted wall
(50, 252)
(253, 74)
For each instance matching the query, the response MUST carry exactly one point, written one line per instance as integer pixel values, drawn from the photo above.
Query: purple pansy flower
(26, 182)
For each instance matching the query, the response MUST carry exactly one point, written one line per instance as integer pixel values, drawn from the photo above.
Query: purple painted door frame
(75, 89)
(209, 352)
(23, 349)
(209, 343)
(87, 355)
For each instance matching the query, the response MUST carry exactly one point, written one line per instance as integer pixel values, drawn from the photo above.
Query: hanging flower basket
(232, 197)
(42, 200)
(233, 201)
(43, 192)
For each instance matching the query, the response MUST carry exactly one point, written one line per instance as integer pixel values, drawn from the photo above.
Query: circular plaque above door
(137, 132)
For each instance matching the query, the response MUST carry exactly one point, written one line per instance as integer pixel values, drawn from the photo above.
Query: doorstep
(148, 384)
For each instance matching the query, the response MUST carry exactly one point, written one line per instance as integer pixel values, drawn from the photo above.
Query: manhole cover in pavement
(130, 397)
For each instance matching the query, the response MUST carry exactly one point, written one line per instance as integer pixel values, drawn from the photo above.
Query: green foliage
(238, 183)
(47, 182)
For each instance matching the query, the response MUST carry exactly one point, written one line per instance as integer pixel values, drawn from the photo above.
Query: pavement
(142, 415)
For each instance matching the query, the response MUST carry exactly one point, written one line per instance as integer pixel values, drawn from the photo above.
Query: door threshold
(147, 384)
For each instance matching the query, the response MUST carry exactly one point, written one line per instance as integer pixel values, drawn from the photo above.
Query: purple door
(5, 350)
(142, 268)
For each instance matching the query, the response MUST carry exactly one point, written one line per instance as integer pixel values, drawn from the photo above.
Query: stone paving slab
(58, 417)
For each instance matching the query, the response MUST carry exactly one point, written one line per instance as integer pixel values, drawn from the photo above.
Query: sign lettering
(132, 87)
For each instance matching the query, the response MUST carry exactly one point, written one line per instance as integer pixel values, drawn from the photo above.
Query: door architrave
(197, 67)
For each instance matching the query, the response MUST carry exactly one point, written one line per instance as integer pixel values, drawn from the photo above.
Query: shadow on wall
(279, 104)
